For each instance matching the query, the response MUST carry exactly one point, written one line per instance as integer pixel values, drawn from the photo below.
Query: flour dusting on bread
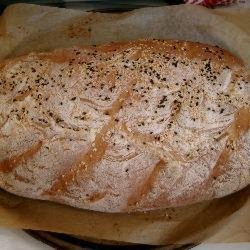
(125, 127)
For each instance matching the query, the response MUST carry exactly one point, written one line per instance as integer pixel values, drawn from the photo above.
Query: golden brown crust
(125, 126)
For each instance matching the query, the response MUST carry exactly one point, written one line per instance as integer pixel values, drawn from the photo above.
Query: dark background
(101, 5)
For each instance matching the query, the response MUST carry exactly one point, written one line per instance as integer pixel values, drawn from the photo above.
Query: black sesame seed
(175, 64)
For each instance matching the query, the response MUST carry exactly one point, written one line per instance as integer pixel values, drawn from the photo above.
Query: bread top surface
(125, 127)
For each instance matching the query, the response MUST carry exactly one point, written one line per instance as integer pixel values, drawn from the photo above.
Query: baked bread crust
(125, 127)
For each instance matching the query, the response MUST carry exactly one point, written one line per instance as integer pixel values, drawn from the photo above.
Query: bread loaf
(125, 127)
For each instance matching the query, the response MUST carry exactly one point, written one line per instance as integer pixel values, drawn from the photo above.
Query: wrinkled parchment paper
(26, 28)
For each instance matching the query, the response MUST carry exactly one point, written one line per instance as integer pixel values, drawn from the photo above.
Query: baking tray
(96, 5)
(71, 242)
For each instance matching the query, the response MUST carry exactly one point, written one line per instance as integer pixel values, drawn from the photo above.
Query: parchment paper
(26, 28)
